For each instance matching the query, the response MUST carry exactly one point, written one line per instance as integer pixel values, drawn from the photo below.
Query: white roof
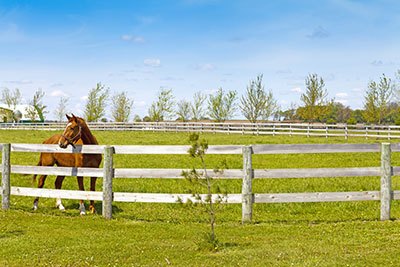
(21, 108)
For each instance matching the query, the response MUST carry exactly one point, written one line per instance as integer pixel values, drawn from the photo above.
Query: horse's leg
(58, 185)
(92, 188)
(82, 208)
(41, 181)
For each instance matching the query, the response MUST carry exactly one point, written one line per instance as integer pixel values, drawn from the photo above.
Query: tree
(11, 98)
(31, 113)
(290, 114)
(61, 109)
(221, 106)
(257, 103)
(337, 113)
(277, 114)
(376, 100)
(396, 86)
(137, 118)
(96, 103)
(197, 107)
(121, 106)
(356, 117)
(393, 116)
(183, 110)
(314, 99)
(36, 108)
(163, 107)
(197, 150)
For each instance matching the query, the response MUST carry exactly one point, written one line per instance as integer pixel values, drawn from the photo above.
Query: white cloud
(343, 101)
(146, 20)
(319, 33)
(210, 91)
(55, 85)
(171, 78)
(140, 104)
(283, 102)
(132, 38)
(22, 81)
(152, 62)
(357, 90)
(205, 67)
(58, 93)
(126, 37)
(377, 63)
(84, 98)
(342, 95)
(283, 71)
(297, 90)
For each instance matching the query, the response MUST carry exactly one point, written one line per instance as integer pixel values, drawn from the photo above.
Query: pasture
(300, 234)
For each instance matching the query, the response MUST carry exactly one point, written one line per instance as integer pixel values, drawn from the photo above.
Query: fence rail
(270, 128)
(247, 198)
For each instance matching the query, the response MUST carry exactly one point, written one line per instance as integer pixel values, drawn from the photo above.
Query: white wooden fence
(292, 129)
(247, 174)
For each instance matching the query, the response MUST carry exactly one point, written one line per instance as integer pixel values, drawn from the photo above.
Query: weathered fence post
(326, 131)
(5, 179)
(386, 181)
(108, 175)
(247, 194)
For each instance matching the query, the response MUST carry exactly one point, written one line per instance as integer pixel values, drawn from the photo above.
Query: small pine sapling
(201, 179)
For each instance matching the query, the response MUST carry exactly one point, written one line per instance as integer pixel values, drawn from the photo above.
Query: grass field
(297, 234)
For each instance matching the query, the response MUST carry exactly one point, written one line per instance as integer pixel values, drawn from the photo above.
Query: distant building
(7, 114)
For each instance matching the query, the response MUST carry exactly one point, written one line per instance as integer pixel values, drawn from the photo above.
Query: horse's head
(72, 132)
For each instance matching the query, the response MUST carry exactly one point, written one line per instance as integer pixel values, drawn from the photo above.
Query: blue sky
(65, 47)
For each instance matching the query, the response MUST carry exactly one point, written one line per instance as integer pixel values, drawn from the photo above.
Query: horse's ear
(68, 117)
(75, 118)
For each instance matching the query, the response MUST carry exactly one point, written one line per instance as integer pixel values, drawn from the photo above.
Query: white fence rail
(303, 129)
(247, 174)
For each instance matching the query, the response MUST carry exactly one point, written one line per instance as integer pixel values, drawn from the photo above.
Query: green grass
(29, 239)
(144, 234)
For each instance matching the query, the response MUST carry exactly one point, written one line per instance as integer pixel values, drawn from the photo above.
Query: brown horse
(76, 133)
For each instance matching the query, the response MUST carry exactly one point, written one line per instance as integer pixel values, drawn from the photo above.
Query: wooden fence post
(326, 131)
(108, 175)
(5, 179)
(247, 194)
(386, 181)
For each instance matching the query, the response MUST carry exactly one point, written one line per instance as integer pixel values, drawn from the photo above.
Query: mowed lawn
(296, 234)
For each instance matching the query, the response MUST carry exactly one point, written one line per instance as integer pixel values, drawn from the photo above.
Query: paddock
(345, 131)
(247, 174)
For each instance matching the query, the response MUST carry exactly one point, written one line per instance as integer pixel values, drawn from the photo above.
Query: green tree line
(381, 104)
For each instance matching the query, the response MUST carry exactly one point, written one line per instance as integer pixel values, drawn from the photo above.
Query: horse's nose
(62, 145)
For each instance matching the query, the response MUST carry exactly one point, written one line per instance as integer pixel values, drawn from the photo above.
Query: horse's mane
(87, 135)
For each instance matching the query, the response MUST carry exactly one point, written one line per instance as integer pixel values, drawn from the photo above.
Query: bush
(352, 121)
